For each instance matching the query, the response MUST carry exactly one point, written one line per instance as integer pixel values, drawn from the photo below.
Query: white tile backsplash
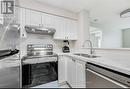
(10, 39)
(43, 39)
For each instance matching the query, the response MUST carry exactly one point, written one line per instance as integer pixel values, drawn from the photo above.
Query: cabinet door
(16, 15)
(10, 77)
(33, 18)
(80, 74)
(66, 29)
(60, 28)
(72, 29)
(1, 19)
(22, 23)
(48, 20)
(71, 72)
(62, 69)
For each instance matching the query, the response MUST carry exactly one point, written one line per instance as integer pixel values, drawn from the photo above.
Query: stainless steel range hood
(39, 30)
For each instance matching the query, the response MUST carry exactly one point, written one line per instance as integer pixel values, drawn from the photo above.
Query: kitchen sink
(86, 55)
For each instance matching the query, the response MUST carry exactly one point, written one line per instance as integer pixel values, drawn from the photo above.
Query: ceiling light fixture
(125, 13)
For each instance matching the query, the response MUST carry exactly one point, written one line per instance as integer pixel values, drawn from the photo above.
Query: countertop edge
(122, 70)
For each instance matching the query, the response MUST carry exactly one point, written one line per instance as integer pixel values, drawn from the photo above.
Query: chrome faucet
(91, 46)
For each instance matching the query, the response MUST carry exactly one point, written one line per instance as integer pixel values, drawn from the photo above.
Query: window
(96, 37)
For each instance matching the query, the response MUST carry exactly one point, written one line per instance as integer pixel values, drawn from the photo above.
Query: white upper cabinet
(71, 31)
(66, 29)
(33, 18)
(60, 28)
(1, 19)
(16, 19)
(22, 23)
(48, 20)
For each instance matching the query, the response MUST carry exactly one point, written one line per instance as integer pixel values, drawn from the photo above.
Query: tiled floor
(51, 85)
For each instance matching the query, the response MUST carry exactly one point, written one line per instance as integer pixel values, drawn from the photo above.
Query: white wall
(83, 32)
(112, 33)
(126, 38)
(111, 38)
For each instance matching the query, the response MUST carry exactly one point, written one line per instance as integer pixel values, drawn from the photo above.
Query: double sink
(86, 55)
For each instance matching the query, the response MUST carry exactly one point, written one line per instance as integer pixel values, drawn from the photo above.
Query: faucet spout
(91, 46)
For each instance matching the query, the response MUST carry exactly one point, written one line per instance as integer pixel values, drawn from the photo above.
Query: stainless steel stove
(37, 53)
(40, 65)
(40, 50)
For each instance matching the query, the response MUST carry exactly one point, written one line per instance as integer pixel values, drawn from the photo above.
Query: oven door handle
(106, 78)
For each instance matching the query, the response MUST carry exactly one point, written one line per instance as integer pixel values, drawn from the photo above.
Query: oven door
(39, 73)
(96, 80)
(43, 73)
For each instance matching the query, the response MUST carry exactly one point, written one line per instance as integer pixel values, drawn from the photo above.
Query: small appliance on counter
(66, 48)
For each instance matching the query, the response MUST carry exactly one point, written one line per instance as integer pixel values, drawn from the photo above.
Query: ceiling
(103, 12)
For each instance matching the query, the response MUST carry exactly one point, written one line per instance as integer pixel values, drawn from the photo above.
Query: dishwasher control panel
(112, 74)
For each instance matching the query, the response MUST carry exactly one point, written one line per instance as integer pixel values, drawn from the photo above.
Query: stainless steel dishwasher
(101, 77)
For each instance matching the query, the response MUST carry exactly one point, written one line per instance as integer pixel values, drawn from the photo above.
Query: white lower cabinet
(62, 69)
(33, 18)
(80, 74)
(72, 71)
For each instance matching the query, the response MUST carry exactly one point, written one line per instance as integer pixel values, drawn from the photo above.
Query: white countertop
(8, 64)
(120, 66)
(12, 61)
